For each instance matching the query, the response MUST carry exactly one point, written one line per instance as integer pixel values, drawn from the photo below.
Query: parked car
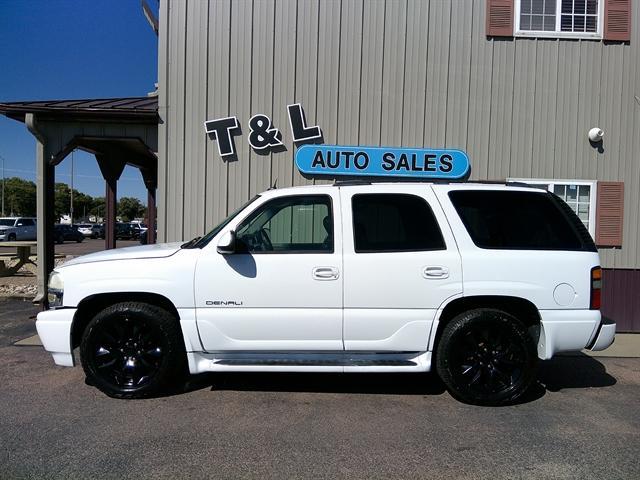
(342, 278)
(98, 230)
(143, 236)
(63, 232)
(18, 228)
(126, 231)
(86, 229)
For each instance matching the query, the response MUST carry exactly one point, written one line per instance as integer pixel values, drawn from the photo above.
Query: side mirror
(227, 243)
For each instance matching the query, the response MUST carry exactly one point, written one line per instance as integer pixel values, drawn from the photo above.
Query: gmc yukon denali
(477, 282)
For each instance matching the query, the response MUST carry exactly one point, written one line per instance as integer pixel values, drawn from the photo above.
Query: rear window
(519, 220)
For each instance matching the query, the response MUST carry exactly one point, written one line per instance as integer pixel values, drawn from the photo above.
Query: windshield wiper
(190, 243)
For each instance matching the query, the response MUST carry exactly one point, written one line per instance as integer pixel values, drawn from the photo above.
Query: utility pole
(2, 184)
(71, 213)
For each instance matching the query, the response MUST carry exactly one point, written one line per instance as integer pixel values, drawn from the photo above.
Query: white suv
(18, 228)
(475, 281)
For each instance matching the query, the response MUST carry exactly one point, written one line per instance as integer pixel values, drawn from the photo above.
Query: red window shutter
(499, 18)
(609, 213)
(617, 20)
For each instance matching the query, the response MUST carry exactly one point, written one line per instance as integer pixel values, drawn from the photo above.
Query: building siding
(405, 72)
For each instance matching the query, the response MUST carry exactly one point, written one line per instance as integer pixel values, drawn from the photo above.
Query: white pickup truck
(18, 228)
(475, 281)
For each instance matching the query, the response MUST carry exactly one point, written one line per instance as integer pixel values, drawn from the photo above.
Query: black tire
(133, 350)
(11, 237)
(79, 239)
(59, 240)
(486, 357)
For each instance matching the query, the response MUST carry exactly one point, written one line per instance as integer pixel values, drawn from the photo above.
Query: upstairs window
(559, 18)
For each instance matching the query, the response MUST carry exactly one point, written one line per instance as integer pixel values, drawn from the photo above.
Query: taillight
(596, 288)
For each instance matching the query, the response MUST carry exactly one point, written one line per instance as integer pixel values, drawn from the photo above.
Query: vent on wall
(609, 214)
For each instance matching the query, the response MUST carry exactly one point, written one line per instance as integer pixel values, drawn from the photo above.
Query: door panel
(285, 292)
(391, 296)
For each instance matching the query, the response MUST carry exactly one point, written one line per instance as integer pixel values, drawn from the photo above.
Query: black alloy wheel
(132, 350)
(486, 357)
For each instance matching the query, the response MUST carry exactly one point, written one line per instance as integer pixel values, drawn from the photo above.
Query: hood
(159, 250)
(5, 227)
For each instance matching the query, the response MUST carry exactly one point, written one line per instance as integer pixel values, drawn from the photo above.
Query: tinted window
(394, 223)
(519, 220)
(301, 223)
(27, 222)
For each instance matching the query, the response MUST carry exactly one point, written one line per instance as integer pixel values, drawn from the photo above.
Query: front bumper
(54, 330)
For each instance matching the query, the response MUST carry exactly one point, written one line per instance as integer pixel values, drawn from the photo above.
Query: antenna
(275, 185)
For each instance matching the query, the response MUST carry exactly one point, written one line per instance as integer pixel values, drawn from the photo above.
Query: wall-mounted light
(596, 134)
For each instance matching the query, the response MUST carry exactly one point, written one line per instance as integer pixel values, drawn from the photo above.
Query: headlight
(56, 290)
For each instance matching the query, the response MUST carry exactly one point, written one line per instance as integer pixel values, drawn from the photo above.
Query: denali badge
(218, 303)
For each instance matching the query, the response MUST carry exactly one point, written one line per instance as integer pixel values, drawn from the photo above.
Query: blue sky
(66, 49)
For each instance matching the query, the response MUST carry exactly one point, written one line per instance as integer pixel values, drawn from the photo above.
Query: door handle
(435, 272)
(325, 273)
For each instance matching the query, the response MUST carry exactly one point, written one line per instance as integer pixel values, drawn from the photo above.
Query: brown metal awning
(138, 109)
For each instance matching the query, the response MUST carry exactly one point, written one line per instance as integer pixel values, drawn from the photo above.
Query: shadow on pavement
(364, 383)
(577, 371)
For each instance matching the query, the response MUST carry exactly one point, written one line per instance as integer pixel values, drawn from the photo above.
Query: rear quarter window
(520, 220)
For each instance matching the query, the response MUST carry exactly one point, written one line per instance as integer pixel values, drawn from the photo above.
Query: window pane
(592, 6)
(566, 23)
(289, 224)
(592, 25)
(537, 6)
(572, 193)
(579, 6)
(578, 23)
(519, 220)
(536, 22)
(525, 22)
(525, 6)
(583, 195)
(394, 223)
(549, 23)
(567, 6)
(559, 190)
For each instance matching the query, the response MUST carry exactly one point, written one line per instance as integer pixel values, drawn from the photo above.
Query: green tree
(62, 202)
(98, 207)
(130, 208)
(19, 197)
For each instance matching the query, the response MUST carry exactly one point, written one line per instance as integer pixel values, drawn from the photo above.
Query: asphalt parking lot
(582, 421)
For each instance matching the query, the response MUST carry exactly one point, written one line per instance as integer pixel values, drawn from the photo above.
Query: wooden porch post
(111, 170)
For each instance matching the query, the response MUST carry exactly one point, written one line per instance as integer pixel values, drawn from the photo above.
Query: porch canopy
(118, 131)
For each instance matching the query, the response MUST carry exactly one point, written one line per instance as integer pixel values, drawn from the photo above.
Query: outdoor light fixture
(596, 134)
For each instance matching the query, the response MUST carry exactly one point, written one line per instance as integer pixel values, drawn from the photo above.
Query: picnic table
(22, 255)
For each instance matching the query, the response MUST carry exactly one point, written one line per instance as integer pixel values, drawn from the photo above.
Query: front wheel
(486, 357)
(133, 350)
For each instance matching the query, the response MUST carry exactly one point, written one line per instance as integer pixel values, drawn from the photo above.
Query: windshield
(7, 222)
(207, 238)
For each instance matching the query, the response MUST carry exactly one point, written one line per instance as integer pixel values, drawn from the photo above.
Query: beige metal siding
(394, 72)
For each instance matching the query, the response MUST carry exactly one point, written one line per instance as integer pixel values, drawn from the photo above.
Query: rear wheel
(486, 357)
(133, 350)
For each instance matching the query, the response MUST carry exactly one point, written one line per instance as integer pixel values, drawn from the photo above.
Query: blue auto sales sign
(424, 163)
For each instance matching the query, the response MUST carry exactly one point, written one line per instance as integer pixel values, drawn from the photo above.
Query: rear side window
(518, 220)
(394, 223)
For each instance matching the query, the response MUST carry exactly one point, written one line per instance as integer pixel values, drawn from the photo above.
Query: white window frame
(558, 33)
(593, 193)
